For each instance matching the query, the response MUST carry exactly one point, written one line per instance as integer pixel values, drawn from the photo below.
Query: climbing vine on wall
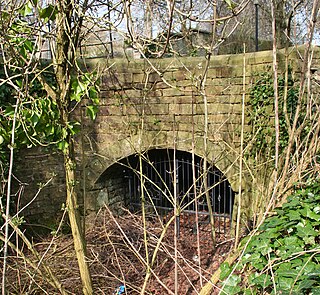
(260, 112)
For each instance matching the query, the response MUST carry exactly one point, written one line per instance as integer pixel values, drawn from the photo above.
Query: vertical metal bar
(231, 204)
(175, 175)
(214, 198)
(224, 205)
(135, 188)
(149, 180)
(130, 189)
(147, 176)
(176, 168)
(220, 200)
(138, 184)
(167, 184)
(157, 166)
(213, 194)
(190, 186)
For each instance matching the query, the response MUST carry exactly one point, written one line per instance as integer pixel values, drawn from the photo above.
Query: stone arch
(121, 185)
(219, 155)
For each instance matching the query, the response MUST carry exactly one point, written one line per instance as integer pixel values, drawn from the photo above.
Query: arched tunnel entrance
(165, 177)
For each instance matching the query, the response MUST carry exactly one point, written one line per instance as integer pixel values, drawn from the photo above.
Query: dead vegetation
(117, 255)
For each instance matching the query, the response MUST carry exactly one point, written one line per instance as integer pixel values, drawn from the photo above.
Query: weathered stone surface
(144, 109)
(39, 188)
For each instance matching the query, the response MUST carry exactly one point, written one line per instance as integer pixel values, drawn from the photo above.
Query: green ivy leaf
(93, 94)
(291, 241)
(92, 111)
(264, 247)
(34, 119)
(285, 283)
(74, 127)
(261, 280)
(315, 291)
(285, 270)
(309, 240)
(48, 13)
(293, 215)
(296, 262)
(313, 214)
(293, 203)
(231, 285)
(9, 111)
(63, 145)
(26, 9)
(316, 210)
(273, 222)
(306, 284)
(305, 231)
(225, 270)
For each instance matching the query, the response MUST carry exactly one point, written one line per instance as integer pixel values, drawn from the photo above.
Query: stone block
(180, 109)
(171, 92)
(171, 107)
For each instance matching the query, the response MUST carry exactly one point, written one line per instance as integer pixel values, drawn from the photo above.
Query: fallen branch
(207, 288)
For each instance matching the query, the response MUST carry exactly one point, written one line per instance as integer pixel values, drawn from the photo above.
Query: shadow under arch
(218, 154)
(122, 184)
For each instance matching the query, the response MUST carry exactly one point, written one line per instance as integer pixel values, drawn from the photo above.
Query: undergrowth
(284, 256)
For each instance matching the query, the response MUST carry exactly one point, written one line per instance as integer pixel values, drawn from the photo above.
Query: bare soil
(117, 255)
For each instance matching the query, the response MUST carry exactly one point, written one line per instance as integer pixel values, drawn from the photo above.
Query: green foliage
(38, 115)
(261, 114)
(48, 13)
(23, 96)
(26, 8)
(231, 4)
(284, 256)
(85, 86)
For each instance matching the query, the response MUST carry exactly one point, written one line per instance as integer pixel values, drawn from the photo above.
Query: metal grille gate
(158, 182)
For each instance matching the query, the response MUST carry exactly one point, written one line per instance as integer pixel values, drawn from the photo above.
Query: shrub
(284, 256)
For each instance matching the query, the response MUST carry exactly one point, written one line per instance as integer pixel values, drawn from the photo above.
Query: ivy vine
(284, 257)
(260, 112)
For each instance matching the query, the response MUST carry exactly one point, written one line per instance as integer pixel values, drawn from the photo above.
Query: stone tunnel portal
(123, 182)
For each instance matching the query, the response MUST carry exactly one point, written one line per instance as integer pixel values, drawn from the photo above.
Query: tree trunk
(74, 218)
(66, 46)
(281, 23)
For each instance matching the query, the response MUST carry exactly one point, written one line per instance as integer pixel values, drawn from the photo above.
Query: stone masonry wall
(39, 176)
(160, 104)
